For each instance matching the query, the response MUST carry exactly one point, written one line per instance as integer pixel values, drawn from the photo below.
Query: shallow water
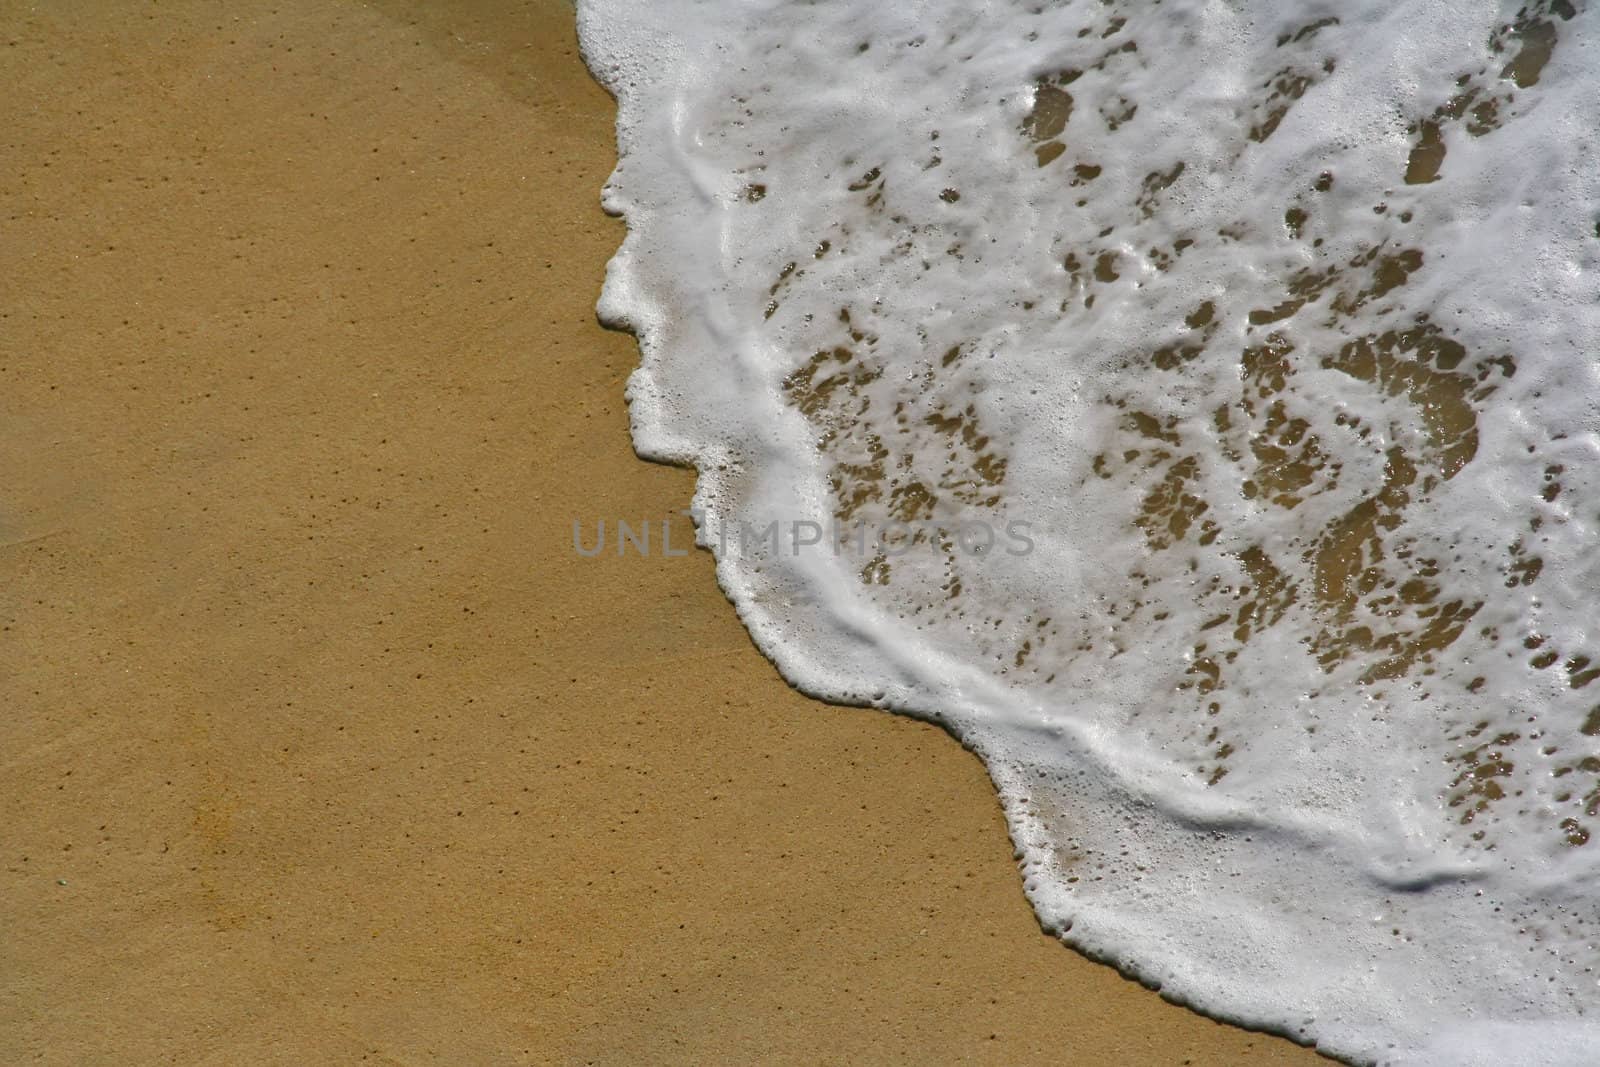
(1271, 327)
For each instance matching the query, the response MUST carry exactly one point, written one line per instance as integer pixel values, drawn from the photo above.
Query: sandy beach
(321, 744)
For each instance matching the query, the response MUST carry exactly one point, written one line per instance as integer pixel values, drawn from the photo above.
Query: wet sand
(320, 743)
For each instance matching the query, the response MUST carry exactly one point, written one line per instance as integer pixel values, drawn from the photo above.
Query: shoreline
(325, 743)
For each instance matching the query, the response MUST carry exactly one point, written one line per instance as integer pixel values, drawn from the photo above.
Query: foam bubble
(1271, 325)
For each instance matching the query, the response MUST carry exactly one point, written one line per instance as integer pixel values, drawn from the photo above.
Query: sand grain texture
(320, 745)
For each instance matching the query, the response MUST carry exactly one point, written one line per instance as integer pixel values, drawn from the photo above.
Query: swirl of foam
(1266, 328)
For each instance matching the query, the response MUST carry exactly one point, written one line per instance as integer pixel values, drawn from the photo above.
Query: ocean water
(1276, 327)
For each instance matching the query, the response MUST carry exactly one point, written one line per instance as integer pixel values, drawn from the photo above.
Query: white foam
(1287, 706)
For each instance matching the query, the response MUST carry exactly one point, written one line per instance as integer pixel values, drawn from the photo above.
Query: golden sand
(320, 744)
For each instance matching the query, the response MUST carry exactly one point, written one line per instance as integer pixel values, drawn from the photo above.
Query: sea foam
(1274, 323)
